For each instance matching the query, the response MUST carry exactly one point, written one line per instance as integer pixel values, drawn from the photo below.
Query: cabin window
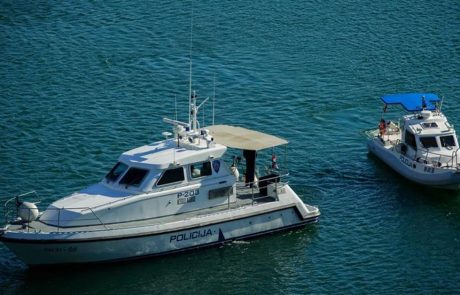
(429, 142)
(447, 141)
(134, 177)
(410, 140)
(172, 175)
(429, 125)
(200, 170)
(116, 171)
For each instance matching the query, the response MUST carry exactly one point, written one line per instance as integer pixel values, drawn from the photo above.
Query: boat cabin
(428, 133)
(177, 175)
(425, 135)
(164, 164)
(164, 178)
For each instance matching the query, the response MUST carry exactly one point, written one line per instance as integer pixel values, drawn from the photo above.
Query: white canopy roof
(242, 138)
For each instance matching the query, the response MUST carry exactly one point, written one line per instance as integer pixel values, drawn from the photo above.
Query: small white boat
(169, 196)
(422, 146)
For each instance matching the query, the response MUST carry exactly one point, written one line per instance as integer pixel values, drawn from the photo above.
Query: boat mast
(194, 110)
(175, 107)
(190, 73)
(213, 97)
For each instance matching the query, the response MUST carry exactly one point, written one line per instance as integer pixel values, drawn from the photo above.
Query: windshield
(447, 141)
(116, 171)
(171, 176)
(429, 142)
(134, 177)
(410, 140)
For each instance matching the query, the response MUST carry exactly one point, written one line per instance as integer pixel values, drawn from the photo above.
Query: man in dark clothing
(250, 157)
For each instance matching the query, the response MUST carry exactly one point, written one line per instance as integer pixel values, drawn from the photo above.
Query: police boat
(170, 196)
(422, 146)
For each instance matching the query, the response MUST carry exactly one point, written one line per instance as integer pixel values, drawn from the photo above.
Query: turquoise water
(82, 82)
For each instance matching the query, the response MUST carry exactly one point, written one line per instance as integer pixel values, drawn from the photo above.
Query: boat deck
(246, 196)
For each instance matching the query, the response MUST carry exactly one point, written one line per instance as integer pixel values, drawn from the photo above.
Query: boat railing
(454, 157)
(59, 222)
(392, 128)
(426, 156)
(11, 206)
(270, 185)
(387, 135)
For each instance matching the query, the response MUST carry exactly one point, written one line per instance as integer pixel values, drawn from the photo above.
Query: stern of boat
(272, 189)
(306, 212)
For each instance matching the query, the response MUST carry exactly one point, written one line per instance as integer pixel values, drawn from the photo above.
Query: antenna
(213, 97)
(174, 151)
(204, 101)
(190, 73)
(194, 111)
(175, 107)
(201, 104)
(204, 124)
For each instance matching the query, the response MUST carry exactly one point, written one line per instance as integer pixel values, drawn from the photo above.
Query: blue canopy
(413, 102)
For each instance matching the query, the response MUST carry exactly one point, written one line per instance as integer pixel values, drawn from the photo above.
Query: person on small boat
(382, 127)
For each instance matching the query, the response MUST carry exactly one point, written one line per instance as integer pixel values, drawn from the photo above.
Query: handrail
(425, 153)
(7, 206)
(375, 132)
(151, 194)
(9, 209)
(60, 220)
(255, 188)
(102, 223)
(454, 155)
(57, 220)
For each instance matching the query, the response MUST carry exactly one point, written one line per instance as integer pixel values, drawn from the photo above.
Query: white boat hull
(446, 178)
(124, 244)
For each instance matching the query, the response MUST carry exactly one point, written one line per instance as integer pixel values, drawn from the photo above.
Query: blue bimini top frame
(413, 102)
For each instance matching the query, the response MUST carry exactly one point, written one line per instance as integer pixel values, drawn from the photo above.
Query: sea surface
(83, 81)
